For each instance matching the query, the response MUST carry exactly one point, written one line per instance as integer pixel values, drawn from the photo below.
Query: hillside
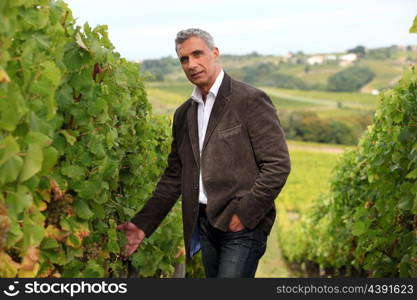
(311, 71)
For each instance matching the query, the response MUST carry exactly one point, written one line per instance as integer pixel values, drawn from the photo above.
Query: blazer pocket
(230, 131)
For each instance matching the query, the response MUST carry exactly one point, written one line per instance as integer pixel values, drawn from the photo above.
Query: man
(228, 159)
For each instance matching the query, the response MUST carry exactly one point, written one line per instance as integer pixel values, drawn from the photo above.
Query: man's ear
(216, 52)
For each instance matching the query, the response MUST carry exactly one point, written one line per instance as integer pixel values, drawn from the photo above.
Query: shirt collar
(196, 94)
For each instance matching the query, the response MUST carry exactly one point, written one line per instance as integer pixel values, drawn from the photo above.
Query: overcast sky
(146, 29)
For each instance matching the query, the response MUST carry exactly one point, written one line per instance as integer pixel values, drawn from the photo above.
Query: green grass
(285, 103)
(316, 77)
(166, 97)
(310, 174)
(319, 74)
(181, 88)
(326, 98)
(164, 102)
(316, 147)
(292, 69)
(385, 73)
(383, 68)
(344, 114)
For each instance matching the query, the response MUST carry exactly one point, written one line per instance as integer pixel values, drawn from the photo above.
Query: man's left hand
(235, 224)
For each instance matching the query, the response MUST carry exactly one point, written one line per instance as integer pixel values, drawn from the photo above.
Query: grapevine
(80, 150)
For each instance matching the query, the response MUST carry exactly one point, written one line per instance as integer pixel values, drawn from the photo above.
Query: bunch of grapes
(15, 254)
(406, 221)
(92, 251)
(59, 207)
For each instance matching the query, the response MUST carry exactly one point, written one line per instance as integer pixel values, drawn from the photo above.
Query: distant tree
(258, 73)
(308, 126)
(340, 133)
(300, 57)
(160, 67)
(380, 53)
(265, 74)
(299, 60)
(358, 50)
(288, 82)
(350, 79)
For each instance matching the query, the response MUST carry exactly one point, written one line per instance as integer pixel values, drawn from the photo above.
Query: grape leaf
(50, 158)
(20, 200)
(74, 172)
(33, 232)
(82, 209)
(8, 149)
(32, 163)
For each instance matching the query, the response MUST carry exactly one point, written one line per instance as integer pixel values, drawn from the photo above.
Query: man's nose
(192, 63)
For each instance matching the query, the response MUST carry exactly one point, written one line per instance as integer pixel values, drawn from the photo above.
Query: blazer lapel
(193, 130)
(219, 107)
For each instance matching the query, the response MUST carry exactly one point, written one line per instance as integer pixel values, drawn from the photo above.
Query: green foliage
(160, 67)
(269, 75)
(359, 50)
(194, 268)
(307, 126)
(350, 79)
(383, 53)
(80, 151)
(368, 222)
(300, 191)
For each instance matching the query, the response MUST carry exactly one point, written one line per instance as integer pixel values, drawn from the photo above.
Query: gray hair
(185, 34)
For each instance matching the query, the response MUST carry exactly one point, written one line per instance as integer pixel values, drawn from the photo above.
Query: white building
(347, 59)
(315, 60)
(288, 57)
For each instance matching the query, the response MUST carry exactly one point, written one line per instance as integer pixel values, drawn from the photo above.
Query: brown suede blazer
(244, 162)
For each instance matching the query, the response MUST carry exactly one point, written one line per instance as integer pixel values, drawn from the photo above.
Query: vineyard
(81, 151)
(367, 224)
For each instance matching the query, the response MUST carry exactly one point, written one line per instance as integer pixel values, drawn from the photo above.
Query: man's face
(199, 62)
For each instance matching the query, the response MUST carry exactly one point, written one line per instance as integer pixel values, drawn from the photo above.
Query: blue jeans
(230, 254)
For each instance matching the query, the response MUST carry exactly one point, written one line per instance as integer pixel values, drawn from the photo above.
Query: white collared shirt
(203, 116)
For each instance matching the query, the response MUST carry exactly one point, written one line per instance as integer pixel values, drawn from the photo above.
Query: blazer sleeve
(165, 194)
(271, 156)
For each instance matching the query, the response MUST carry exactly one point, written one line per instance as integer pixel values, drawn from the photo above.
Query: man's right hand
(134, 236)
